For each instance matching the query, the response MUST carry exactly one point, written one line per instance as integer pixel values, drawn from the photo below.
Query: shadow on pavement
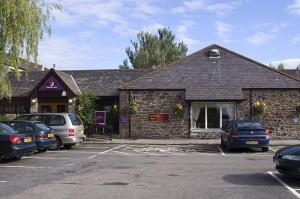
(252, 179)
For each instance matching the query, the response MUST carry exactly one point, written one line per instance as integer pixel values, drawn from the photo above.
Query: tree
(157, 50)
(22, 24)
(298, 67)
(85, 108)
(280, 66)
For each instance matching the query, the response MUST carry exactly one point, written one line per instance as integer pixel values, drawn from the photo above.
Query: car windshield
(4, 129)
(249, 125)
(42, 126)
(74, 119)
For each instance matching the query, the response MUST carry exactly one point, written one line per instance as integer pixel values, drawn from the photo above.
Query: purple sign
(51, 84)
(100, 117)
(124, 119)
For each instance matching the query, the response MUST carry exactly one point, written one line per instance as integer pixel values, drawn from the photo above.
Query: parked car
(245, 134)
(44, 136)
(287, 160)
(14, 145)
(67, 127)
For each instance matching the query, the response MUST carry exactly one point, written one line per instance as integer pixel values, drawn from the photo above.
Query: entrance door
(53, 107)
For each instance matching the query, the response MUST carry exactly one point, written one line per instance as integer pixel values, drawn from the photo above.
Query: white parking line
(69, 165)
(93, 147)
(106, 151)
(272, 149)
(284, 184)
(221, 150)
(45, 158)
(26, 167)
(3, 181)
(83, 152)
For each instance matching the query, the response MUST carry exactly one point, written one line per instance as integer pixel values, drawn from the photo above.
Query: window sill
(206, 130)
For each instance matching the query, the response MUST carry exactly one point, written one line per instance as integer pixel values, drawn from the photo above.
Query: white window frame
(220, 111)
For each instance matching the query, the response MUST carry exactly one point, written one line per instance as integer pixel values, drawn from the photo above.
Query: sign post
(100, 117)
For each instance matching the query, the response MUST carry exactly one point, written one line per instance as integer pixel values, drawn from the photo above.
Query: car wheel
(42, 150)
(222, 143)
(1, 157)
(57, 144)
(265, 149)
(228, 147)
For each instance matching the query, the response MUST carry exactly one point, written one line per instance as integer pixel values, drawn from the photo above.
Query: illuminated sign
(159, 117)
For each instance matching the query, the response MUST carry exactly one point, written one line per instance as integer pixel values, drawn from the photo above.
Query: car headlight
(291, 157)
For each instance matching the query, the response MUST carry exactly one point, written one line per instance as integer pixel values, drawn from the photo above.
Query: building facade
(191, 98)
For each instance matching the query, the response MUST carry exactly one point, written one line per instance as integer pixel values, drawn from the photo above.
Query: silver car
(67, 127)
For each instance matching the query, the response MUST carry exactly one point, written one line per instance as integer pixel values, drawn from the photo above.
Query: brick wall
(280, 115)
(154, 102)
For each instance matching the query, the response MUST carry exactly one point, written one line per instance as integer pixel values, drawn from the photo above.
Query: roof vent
(214, 53)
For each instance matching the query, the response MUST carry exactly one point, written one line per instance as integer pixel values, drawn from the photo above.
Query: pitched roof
(27, 82)
(200, 73)
(292, 72)
(104, 82)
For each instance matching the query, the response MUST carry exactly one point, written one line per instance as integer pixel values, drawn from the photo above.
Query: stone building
(212, 85)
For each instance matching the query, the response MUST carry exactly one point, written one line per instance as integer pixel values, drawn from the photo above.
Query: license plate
(251, 142)
(50, 135)
(27, 139)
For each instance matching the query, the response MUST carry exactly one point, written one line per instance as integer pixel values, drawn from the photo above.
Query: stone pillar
(124, 115)
(34, 105)
(71, 104)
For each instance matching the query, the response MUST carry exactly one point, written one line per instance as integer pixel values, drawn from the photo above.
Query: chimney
(54, 66)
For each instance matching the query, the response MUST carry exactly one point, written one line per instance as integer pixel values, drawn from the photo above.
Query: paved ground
(146, 171)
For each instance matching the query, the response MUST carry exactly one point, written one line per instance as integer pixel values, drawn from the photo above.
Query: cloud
(296, 39)
(291, 63)
(223, 29)
(265, 32)
(260, 38)
(215, 7)
(182, 34)
(294, 8)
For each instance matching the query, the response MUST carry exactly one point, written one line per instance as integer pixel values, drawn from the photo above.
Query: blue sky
(93, 34)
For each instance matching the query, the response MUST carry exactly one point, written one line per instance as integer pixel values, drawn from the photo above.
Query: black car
(287, 160)
(14, 145)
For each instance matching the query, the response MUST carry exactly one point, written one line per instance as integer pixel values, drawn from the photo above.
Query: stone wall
(280, 116)
(154, 102)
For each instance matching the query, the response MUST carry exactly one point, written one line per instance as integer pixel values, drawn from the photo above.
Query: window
(211, 115)
(55, 120)
(75, 119)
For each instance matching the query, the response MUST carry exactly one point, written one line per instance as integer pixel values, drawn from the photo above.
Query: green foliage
(22, 24)
(85, 107)
(280, 66)
(3, 118)
(155, 50)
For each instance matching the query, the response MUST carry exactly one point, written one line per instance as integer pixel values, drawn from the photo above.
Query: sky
(93, 34)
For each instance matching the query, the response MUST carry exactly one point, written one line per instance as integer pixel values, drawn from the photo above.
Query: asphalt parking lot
(146, 171)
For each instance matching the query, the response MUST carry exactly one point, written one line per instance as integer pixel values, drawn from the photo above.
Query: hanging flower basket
(179, 110)
(259, 107)
(134, 108)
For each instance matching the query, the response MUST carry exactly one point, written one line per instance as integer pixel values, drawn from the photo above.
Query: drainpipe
(250, 105)
(189, 119)
(129, 119)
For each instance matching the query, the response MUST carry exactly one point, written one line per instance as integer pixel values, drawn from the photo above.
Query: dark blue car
(44, 137)
(14, 145)
(245, 134)
(287, 161)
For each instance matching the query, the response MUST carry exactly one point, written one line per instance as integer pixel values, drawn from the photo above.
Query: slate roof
(28, 81)
(292, 72)
(104, 82)
(205, 78)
